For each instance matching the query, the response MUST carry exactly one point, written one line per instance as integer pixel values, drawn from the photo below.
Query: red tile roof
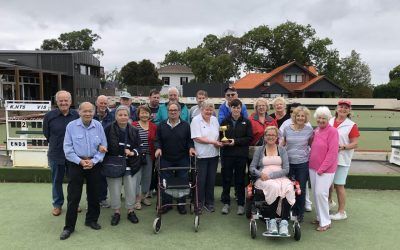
(251, 80)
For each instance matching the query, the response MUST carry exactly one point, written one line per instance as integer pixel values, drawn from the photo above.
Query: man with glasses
(174, 145)
(224, 109)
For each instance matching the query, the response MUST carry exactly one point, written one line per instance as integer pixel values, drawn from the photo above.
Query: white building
(175, 76)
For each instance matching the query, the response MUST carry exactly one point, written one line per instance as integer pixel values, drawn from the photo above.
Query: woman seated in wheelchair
(269, 169)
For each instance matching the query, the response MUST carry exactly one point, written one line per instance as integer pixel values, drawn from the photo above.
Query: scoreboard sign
(28, 106)
(17, 144)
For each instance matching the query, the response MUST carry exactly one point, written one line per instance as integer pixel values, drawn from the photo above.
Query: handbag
(114, 166)
(143, 160)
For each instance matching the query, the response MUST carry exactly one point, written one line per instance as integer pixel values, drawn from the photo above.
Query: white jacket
(345, 156)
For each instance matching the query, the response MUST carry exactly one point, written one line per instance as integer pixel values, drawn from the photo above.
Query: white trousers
(320, 187)
(308, 201)
(115, 186)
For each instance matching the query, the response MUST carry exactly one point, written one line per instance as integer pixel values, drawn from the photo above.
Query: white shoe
(225, 209)
(332, 205)
(283, 228)
(308, 208)
(338, 216)
(240, 210)
(273, 227)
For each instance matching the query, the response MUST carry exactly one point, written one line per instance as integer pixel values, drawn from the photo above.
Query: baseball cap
(125, 95)
(347, 102)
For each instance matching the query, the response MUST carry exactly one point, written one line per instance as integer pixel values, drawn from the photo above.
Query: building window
(293, 77)
(165, 80)
(184, 80)
(88, 70)
(82, 69)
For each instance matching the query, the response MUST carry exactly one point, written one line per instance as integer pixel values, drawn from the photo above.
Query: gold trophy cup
(223, 129)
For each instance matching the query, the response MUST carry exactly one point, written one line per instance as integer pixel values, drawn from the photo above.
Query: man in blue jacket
(224, 110)
(173, 96)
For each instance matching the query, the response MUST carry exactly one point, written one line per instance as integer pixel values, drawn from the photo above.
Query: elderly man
(83, 137)
(174, 145)
(173, 96)
(126, 99)
(225, 110)
(54, 125)
(105, 117)
(154, 103)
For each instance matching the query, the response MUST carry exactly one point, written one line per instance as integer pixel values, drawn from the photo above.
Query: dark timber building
(38, 75)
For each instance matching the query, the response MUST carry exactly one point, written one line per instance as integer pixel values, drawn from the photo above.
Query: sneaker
(209, 208)
(283, 228)
(104, 204)
(146, 202)
(225, 209)
(149, 195)
(338, 216)
(132, 217)
(308, 208)
(240, 210)
(115, 219)
(332, 204)
(273, 227)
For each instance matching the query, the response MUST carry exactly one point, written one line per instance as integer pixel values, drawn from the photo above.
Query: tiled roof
(175, 69)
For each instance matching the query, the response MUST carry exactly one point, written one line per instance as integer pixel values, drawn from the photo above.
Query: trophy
(223, 129)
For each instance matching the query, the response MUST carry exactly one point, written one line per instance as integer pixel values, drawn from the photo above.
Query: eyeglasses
(231, 95)
(267, 135)
(173, 110)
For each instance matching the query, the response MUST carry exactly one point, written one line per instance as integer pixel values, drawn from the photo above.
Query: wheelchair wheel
(157, 225)
(253, 228)
(248, 208)
(196, 223)
(296, 231)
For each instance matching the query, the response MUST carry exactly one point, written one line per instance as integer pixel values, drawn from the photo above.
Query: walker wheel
(196, 223)
(157, 225)
(253, 228)
(296, 231)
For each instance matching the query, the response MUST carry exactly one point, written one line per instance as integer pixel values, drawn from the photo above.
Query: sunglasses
(231, 95)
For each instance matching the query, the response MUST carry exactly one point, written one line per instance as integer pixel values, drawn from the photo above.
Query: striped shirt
(143, 134)
(297, 144)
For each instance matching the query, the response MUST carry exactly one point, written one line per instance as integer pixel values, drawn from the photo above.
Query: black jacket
(242, 134)
(112, 132)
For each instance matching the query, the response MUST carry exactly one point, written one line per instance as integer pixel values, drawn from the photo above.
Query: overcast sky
(148, 29)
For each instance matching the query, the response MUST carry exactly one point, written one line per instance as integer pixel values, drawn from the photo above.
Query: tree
(394, 73)
(111, 76)
(392, 88)
(139, 74)
(355, 76)
(75, 40)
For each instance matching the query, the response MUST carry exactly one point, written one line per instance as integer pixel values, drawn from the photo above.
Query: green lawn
(26, 223)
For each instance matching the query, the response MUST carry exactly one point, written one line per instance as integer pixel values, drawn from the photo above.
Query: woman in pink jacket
(323, 164)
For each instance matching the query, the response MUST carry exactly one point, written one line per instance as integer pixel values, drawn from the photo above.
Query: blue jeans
(207, 169)
(58, 170)
(184, 162)
(300, 173)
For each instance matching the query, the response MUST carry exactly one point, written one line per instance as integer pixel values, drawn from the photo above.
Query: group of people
(171, 133)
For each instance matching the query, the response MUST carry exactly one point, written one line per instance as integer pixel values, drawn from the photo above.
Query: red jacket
(151, 137)
(259, 128)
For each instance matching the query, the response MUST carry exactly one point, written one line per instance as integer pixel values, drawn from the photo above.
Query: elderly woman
(234, 154)
(348, 140)
(270, 166)
(123, 140)
(297, 138)
(280, 114)
(205, 133)
(323, 164)
(260, 120)
(147, 134)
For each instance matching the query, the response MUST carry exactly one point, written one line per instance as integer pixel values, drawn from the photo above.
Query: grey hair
(323, 111)
(206, 104)
(122, 107)
(279, 99)
(84, 103)
(63, 92)
(173, 89)
(176, 103)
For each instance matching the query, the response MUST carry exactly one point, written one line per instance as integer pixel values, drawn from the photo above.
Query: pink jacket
(324, 150)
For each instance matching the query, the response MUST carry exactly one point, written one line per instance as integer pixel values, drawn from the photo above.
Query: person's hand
(83, 163)
(264, 176)
(102, 149)
(129, 153)
(217, 144)
(90, 164)
(192, 152)
(320, 173)
(158, 153)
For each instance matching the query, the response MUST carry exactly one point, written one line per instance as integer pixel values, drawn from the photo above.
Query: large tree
(75, 40)
(139, 74)
(355, 76)
(392, 88)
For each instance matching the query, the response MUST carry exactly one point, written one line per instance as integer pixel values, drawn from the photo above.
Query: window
(184, 80)
(88, 70)
(82, 69)
(293, 77)
(165, 80)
